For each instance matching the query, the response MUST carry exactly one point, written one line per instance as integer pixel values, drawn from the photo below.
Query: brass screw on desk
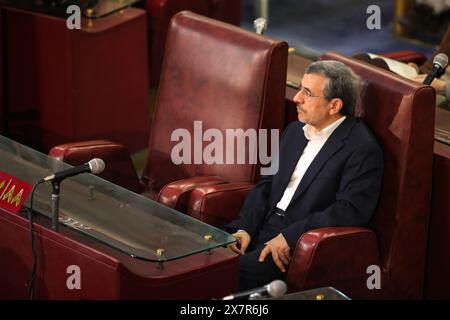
(207, 237)
(159, 252)
(89, 12)
(320, 297)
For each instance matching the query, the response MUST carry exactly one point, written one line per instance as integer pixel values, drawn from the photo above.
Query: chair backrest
(219, 74)
(160, 13)
(401, 115)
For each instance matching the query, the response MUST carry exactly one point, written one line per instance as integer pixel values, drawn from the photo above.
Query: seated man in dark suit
(330, 174)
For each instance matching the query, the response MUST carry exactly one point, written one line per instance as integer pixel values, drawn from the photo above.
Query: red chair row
(230, 78)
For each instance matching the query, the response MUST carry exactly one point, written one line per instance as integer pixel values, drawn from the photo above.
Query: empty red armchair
(161, 11)
(215, 76)
(401, 115)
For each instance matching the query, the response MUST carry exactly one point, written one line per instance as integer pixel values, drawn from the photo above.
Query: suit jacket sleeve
(253, 212)
(256, 205)
(356, 199)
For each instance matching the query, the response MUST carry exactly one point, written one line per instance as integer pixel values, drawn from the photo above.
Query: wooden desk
(106, 273)
(71, 85)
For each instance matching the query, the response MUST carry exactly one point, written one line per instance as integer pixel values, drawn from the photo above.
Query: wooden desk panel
(77, 84)
(105, 272)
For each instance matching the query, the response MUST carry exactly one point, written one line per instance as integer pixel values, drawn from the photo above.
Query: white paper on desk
(398, 67)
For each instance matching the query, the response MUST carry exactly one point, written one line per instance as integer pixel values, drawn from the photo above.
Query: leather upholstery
(219, 74)
(161, 11)
(401, 115)
(207, 76)
(218, 204)
(176, 194)
(347, 270)
(119, 168)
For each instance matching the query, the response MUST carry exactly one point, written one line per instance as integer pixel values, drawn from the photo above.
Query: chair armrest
(334, 256)
(219, 204)
(406, 56)
(119, 168)
(176, 194)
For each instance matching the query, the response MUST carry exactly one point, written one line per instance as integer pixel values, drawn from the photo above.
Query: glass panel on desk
(118, 217)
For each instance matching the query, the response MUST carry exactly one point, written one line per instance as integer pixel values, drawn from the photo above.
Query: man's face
(312, 107)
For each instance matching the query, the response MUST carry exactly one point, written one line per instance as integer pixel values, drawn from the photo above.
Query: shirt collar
(312, 134)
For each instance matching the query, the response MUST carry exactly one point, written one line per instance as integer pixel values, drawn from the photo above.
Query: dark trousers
(253, 273)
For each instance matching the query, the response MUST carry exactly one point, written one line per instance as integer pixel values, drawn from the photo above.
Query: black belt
(279, 212)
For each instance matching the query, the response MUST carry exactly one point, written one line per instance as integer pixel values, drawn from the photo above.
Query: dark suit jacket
(340, 187)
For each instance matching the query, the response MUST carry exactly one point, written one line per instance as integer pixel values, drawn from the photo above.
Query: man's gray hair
(341, 83)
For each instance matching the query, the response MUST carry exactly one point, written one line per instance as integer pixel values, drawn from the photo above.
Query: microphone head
(441, 60)
(97, 165)
(277, 288)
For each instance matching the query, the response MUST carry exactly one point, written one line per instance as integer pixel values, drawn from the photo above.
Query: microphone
(275, 289)
(260, 25)
(94, 166)
(440, 61)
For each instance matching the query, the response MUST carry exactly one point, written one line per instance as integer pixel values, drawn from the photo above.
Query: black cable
(33, 244)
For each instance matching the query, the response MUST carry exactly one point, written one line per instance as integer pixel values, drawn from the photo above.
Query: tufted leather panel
(219, 74)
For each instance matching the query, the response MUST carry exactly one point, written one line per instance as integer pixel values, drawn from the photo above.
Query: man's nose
(299, 98)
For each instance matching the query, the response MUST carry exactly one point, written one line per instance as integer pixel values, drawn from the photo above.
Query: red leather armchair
(213, 72)
(401, 115)
(161, 11)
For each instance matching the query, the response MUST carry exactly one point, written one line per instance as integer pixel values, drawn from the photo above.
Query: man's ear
(336, 106)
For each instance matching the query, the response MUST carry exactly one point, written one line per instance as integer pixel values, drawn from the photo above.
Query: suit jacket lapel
(331, 146)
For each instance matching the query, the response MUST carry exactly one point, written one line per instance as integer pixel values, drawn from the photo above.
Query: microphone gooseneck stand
(55, 205)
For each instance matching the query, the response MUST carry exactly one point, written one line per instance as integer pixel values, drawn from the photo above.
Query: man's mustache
(299, 108)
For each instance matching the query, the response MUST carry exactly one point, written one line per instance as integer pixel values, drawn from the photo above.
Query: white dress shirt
(316, 140)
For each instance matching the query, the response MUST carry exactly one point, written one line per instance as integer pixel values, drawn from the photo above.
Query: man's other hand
(415, 66)
(243, 240)
(437, 84)
(280, 251)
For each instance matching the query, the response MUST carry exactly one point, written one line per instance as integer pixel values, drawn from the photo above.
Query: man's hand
(437, 84)
(280, 251)
(415, 66)
(243, 240)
